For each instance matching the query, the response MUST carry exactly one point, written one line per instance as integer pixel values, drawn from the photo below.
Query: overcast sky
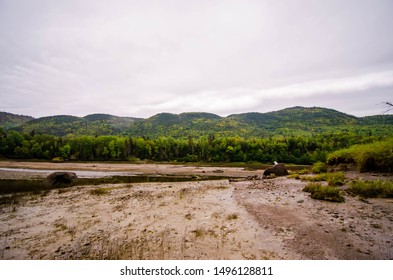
(140, 57)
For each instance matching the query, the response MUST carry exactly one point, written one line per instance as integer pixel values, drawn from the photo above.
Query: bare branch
(388, 104)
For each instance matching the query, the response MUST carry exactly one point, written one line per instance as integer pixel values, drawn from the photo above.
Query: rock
(61, 179)
(254, 177)
(218, 171)
(278, 170)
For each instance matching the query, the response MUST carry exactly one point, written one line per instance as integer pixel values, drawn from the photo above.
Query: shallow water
(79, 173)
(31, 179)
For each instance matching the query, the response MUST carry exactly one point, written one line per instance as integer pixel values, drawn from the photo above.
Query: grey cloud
(139, 58)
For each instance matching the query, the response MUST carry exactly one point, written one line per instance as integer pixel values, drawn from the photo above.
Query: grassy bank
(375, 157)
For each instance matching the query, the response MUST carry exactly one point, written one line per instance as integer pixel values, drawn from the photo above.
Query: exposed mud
(245, 219)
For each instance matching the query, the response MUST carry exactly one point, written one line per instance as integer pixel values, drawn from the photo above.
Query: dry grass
(199, 232)
(232, 216)
(100, 191)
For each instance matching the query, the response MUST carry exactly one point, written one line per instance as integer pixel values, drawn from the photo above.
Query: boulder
(278, 170)
(61, 179)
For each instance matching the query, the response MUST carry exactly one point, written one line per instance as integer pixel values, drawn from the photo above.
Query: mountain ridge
(193, 124)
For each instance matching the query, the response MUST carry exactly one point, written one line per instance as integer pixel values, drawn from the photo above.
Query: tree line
(287, 149)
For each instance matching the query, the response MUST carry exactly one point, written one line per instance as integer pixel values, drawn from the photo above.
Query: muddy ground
(220, 219)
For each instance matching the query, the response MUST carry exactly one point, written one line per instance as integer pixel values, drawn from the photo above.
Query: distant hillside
(290, 121)
(8, 120)
(377, 120)
(297, 117)
(97, 124)
(186, 124)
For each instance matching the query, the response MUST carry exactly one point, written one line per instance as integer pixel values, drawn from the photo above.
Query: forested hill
(95, 124)
(290, 121)
(8, 120)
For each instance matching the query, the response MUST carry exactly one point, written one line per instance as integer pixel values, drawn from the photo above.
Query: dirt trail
(262, 219)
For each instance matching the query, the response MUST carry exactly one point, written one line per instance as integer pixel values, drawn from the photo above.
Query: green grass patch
(294, 176)
(370, 189)
(327, 193)
(319, 167)
(304, 171)
(335, 179)
(332, 178)
(377, 156)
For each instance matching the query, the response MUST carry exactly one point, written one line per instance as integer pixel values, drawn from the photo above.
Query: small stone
(300, 201)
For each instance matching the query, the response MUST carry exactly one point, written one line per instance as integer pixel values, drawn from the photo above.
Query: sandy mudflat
(246, 219)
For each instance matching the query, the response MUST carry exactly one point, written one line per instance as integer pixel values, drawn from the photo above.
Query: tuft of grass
(311, 187)
(100, 191)
(58, 159)
(370, 189)
(304, 171)
(271, 176)
(199, 232)
(319, 167)
(232, 216)
(335, 179)
(327, 193)
(61, 226)
(12, 199)
(332, 178)
(294, 176)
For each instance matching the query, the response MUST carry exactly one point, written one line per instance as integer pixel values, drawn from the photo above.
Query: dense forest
(300, 150)
(295, 135)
